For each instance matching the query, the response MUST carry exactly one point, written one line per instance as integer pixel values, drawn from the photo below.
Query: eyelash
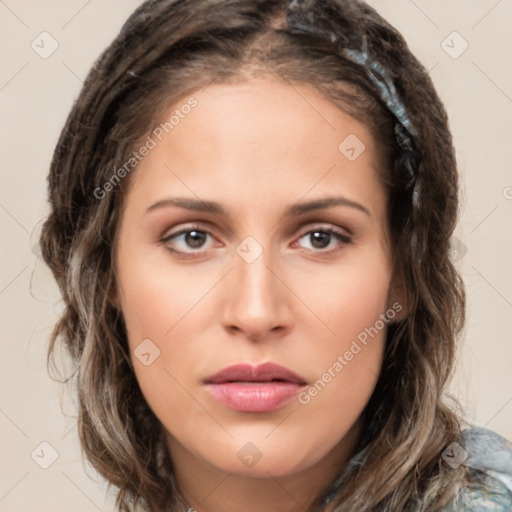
(340, 236)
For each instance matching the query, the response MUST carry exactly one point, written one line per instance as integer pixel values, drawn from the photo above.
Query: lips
(261, 388)
(266, 372)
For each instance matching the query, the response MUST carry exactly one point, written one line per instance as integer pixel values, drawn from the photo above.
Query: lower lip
(254, 396)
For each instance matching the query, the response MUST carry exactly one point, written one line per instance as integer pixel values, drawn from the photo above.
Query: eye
(321, 238)
(193, 237)
(192, 241)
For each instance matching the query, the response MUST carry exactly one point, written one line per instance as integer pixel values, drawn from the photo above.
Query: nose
(257, 299)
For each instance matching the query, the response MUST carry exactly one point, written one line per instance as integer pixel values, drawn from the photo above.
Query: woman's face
(259, 278)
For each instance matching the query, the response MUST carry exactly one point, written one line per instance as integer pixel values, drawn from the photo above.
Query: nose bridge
(256, 298)
(255, 281)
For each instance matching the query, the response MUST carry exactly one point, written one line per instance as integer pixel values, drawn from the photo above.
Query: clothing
(487, 452)
(480, 450)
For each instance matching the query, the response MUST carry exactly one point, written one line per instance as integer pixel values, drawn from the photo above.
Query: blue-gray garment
(486, 451)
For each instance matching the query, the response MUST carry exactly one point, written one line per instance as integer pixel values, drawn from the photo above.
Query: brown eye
(194, 239)
(322, 238)
(186, 240)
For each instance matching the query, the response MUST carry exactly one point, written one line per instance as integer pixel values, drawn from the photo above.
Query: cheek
(159, 309)
(156, 296)
(352, 340)
(347, 300)
(162, 311)
(348, 367)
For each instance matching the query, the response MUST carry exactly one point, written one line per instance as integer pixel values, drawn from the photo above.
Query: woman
(222, 364)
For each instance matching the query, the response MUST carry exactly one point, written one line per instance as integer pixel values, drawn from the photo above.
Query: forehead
(262, 135)
(270, 116)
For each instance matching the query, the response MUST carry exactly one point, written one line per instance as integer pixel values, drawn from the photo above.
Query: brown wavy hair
(165, 51)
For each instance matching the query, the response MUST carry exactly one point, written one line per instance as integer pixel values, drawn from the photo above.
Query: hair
(165, 51)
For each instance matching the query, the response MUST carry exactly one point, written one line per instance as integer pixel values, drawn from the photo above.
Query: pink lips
(259, 388)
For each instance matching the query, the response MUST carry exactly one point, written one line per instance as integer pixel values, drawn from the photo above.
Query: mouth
(261, 388)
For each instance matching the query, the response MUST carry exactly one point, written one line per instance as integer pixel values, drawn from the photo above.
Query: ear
(398, 309)
(114, 296)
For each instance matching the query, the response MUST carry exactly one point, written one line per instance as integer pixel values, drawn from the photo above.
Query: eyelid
(186, 229)
(343, 237)
(329, 228)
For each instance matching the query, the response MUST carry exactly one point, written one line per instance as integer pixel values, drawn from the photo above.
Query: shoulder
(488, 456)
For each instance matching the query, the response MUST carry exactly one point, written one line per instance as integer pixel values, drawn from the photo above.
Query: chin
(275, 465)
(260, 459)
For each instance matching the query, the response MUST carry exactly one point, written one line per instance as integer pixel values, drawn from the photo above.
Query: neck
(208, 489)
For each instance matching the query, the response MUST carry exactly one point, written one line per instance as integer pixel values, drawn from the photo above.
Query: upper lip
(265, 372)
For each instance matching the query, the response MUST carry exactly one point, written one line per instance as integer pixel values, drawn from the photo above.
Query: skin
(256, 148)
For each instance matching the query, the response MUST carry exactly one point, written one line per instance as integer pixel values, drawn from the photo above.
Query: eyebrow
(295, 210)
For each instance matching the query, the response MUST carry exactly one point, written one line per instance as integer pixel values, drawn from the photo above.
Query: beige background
(35, 97)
